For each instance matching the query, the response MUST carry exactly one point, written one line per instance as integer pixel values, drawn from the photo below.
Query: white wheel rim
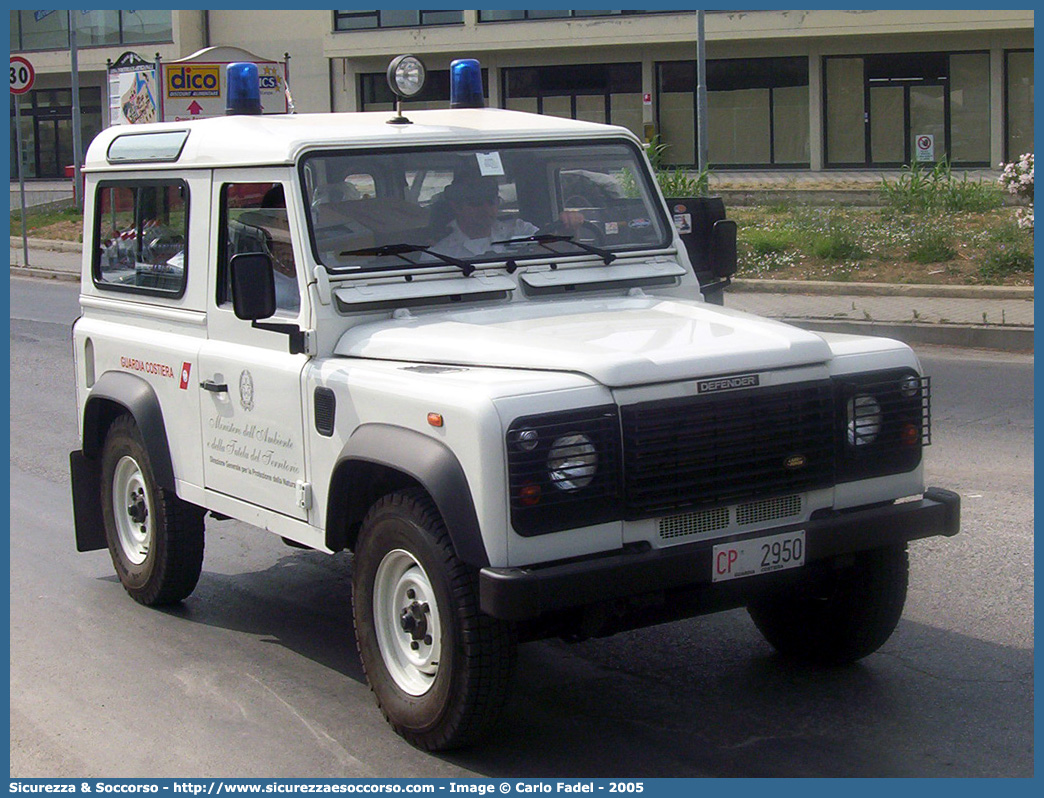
(132, 511)
(406, 619)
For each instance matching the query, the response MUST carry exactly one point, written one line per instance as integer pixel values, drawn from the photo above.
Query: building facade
(807, 90)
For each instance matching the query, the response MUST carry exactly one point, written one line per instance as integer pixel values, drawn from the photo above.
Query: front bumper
(526, 593)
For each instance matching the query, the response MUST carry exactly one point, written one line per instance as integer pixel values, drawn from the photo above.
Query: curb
(822, 196)
(48, 244)
(829, 288)
(44, 274)
(971, 336)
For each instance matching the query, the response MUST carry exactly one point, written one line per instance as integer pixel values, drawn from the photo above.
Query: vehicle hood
(618, 342)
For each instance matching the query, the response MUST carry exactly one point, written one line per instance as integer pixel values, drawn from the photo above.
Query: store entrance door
(54, 150)
(47, 129)
(898, 116)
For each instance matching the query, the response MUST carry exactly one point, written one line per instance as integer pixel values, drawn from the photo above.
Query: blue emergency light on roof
(244, 89)
(466, 84)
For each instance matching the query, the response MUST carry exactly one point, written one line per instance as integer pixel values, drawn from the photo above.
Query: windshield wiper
(550, 238)
(401, 250)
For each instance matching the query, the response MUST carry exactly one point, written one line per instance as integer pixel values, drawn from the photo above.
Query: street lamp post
(74, 70)
(701, 91)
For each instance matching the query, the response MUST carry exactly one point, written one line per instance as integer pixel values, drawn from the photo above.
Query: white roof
(279, 139)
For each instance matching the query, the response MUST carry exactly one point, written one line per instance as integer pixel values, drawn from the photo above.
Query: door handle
(214, 387)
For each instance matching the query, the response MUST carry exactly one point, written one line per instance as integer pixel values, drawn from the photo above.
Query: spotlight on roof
(406, 74)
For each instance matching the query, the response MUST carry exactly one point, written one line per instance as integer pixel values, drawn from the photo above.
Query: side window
(254, 220)
(141, 230)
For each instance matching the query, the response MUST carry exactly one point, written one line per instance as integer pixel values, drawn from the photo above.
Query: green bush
(964, 195)
(679, 183)
(937, 189)
(1008, 233)
(836, 244)
(675, 181)
(931, 244)
(1006, 261)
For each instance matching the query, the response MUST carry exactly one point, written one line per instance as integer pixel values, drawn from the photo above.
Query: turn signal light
(529, 495)
(435, 419)
(910, 435)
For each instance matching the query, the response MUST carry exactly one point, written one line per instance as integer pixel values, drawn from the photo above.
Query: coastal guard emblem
(246, 390)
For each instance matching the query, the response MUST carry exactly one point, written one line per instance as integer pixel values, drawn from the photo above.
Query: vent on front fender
(325, 411)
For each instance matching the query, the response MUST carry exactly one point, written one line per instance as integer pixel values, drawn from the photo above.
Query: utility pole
(701, 91)
(77, 138)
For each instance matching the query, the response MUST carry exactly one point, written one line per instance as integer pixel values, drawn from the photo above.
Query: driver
(475, 202)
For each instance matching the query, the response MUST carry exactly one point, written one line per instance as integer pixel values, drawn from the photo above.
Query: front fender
(424, 461)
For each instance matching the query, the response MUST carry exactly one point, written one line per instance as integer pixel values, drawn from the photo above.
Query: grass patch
(882, 245)
(1008, 233)
(1006, 262)
(62, 223)
(769, 241)
(931, 244)
(836, 244)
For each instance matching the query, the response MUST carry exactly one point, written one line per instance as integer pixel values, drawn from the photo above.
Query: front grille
(741, 445)
(768, 510)
(699, 523)
(717, 519)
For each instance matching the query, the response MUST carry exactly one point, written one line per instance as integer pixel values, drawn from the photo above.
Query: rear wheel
(438, 667)
(850, 616)
(155, 539)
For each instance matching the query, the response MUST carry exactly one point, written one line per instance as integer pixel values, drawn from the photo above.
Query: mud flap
(86, 494)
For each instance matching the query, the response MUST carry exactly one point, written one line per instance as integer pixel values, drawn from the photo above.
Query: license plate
(758, 556)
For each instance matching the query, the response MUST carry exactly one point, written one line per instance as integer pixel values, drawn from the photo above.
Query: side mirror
(723, 248)
(253, 286)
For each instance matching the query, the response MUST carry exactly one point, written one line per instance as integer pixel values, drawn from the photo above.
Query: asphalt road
(256, 674)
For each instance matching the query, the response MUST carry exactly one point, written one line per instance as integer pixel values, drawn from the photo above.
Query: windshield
(371, 211)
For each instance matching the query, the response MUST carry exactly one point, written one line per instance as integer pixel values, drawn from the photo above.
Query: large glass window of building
(757, 112)
(49, 30)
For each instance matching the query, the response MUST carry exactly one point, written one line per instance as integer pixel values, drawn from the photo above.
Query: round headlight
(572, 462)
(864, 420)
(406, 75)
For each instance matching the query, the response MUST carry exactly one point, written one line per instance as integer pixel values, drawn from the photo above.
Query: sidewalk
(981, 317)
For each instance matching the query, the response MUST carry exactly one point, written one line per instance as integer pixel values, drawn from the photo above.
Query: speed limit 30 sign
(22, 75)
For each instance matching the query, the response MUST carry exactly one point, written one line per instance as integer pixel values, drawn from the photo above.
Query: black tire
(448, 691)
(851, 616)
(155, 539)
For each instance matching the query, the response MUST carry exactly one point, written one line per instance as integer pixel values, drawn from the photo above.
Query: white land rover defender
(534, 426)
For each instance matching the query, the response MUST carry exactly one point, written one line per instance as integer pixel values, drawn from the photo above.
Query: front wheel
(849, 616)
(438, 667)
(155, 539)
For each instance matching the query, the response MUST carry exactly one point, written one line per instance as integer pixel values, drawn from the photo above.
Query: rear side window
(141, 230)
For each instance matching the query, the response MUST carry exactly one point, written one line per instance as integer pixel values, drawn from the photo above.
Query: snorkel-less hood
(618, 341)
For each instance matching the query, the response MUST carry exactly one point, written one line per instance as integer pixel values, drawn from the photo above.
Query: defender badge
(727, 383)
(246, 390)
